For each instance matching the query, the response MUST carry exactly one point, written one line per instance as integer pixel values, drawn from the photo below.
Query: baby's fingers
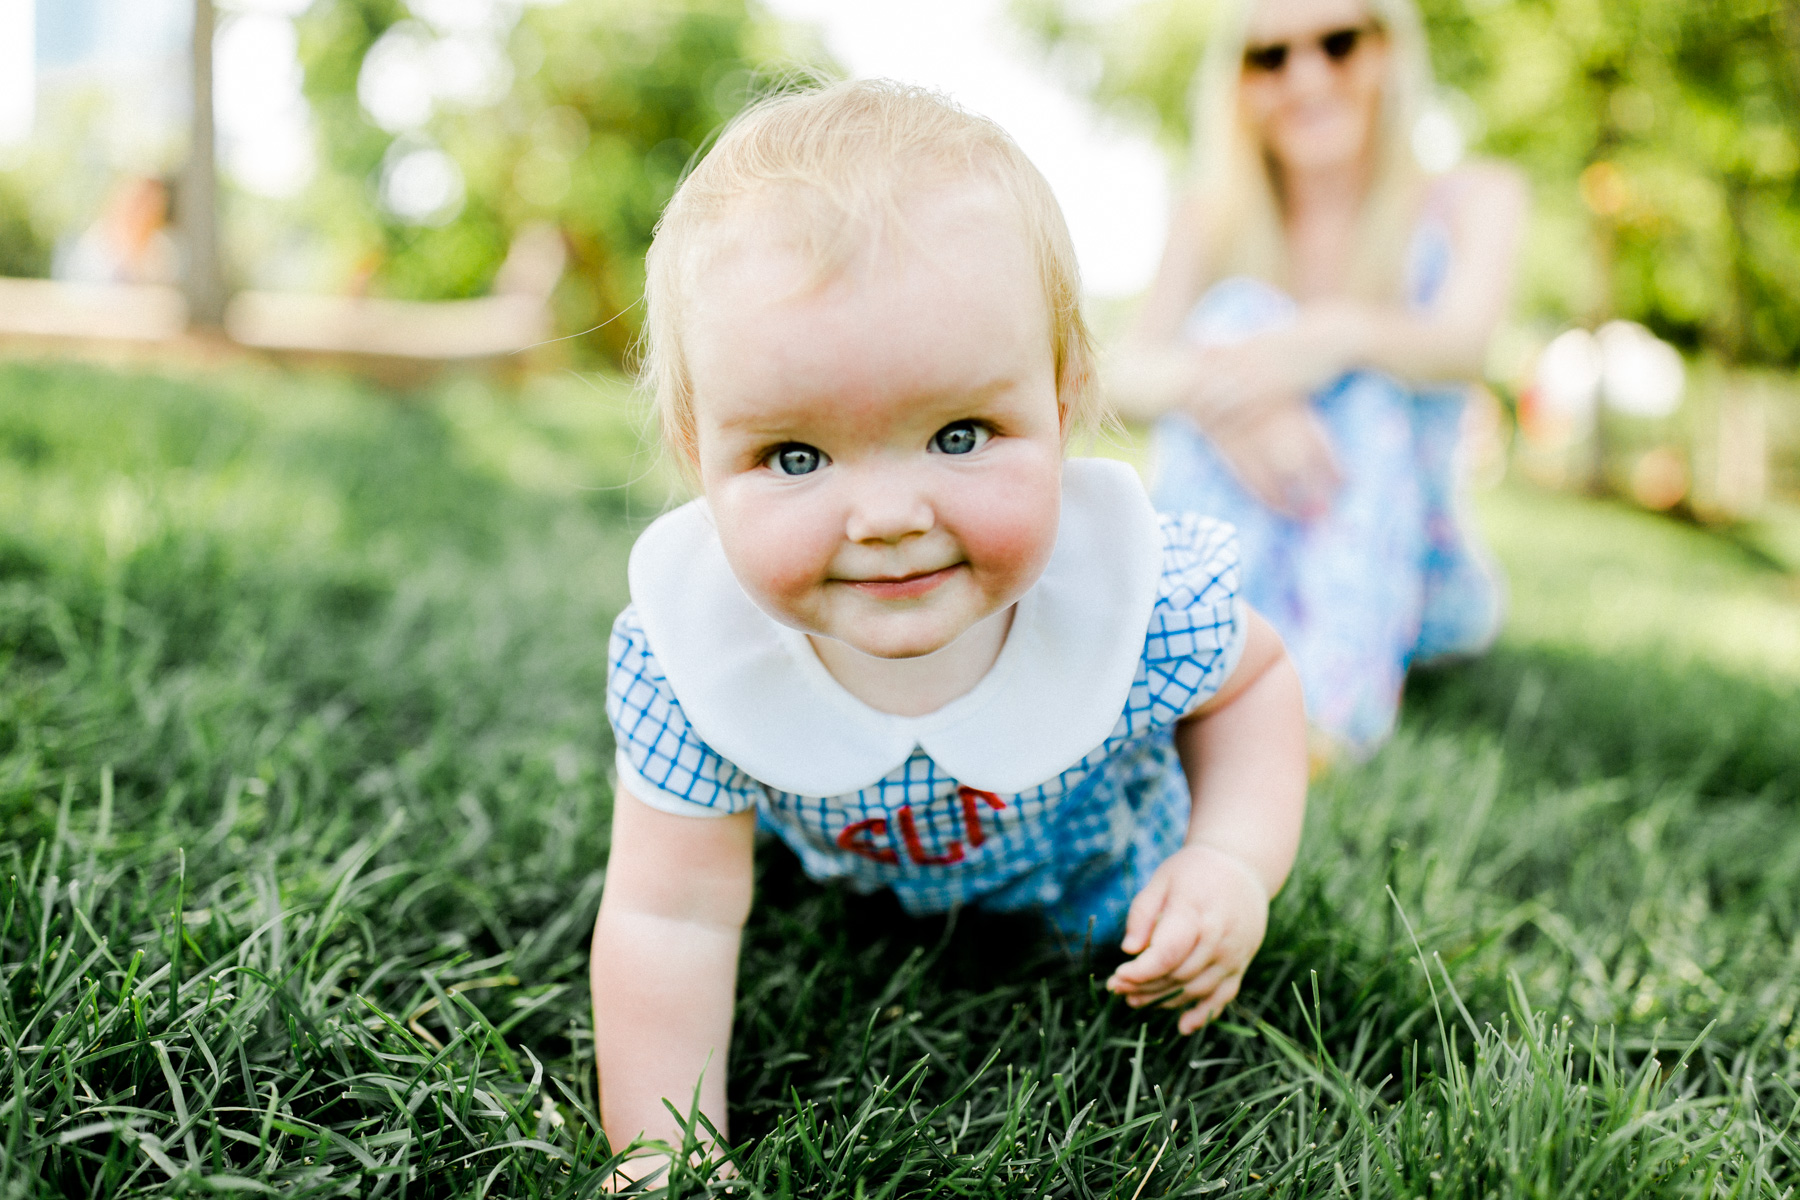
(1202, 1014)
(1199, 958)
(1173, 940)
(1200, 985)
(1140, 918)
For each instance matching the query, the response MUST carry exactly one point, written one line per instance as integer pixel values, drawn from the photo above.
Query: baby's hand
(1194, 928)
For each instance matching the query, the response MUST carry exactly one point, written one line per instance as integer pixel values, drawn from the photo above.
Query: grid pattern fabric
(1077, 846)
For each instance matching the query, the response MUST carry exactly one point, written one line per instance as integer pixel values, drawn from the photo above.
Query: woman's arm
(1446, 342)
(664, 967)
(1152, 370)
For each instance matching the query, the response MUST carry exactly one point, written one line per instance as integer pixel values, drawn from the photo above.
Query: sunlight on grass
(1608, 579)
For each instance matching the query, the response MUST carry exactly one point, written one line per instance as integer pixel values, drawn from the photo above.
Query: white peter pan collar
(755, 691)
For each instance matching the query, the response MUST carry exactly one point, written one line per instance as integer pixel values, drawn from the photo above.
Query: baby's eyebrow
(982, 393)
(763, 424)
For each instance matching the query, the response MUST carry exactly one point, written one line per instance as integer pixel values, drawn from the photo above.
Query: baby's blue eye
(960, 437)
(795, 459)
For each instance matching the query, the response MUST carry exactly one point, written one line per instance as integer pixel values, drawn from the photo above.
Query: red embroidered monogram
(855, 838)
(859, 837)
(972, 815)
(915, 850)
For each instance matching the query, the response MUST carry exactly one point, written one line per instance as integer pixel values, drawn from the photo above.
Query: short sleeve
(661, 759)
(1200, 622)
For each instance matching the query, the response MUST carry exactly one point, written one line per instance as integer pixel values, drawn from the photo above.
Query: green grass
(302, 830)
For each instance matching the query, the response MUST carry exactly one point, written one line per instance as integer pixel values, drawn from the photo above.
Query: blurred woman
(1320, 303)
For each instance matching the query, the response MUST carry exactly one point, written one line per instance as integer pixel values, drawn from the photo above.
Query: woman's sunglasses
(1338, 45)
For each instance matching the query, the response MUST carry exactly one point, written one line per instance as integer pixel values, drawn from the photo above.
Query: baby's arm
(1200, 920)
(664, 967)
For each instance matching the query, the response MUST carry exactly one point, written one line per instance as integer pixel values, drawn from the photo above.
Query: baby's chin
(895, 640)
(895, 647)
(865, 637)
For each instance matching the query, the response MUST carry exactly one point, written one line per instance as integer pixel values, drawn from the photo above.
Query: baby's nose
(887, 506)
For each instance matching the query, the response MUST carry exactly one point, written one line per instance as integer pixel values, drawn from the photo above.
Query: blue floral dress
(1392, 573)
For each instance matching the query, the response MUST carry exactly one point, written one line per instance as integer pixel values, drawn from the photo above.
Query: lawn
(303, 827)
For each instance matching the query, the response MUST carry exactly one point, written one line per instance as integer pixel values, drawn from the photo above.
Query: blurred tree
(1663, 138)
(1661, 134)
(378, 249)
(1140, 66)
(606, 102)
(24, 250)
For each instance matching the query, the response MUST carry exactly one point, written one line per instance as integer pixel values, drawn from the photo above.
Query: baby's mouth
(903, 587)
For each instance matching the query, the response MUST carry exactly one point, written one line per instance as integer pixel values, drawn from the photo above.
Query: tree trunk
(202, 275)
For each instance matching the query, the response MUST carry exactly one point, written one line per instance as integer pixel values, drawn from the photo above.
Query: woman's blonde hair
(1234, 177)
(844, 159)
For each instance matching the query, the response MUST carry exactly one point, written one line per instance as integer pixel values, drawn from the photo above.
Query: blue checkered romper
(1076, 841)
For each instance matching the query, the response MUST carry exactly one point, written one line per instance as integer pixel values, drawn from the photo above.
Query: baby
(901, 629)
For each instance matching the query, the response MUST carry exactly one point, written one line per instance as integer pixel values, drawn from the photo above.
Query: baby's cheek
(782, 583)
(1008, 535)
(778, 559)
(1011, 560)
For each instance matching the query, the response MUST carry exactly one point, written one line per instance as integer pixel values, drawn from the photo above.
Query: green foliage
(596, 138)
(1142, 67)
(1660, 136)
(302, 826)
(333, 40)
(24, 250)
(609, 102)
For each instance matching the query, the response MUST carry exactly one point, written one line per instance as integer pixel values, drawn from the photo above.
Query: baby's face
(882, 454)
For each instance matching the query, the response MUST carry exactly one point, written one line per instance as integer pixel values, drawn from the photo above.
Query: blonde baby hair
(1233, 171)
(846, 157)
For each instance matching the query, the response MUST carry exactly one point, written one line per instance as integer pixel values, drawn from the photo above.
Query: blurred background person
(130, 242)
(1320, 303)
